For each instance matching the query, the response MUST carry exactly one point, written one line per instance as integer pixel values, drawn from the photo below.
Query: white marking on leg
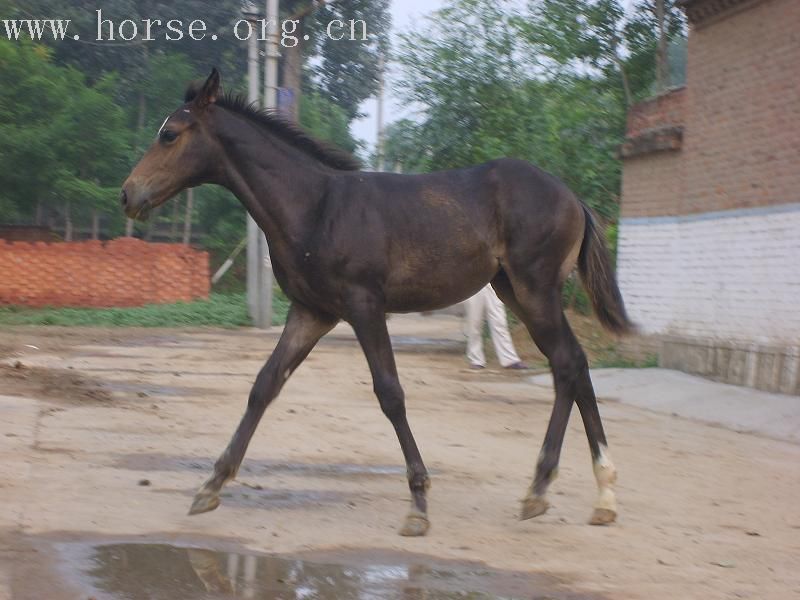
(605, 474)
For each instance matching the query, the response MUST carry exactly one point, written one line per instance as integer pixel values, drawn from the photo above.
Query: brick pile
(122, 272)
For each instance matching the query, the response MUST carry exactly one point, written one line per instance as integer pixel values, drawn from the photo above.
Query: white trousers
(486, 303)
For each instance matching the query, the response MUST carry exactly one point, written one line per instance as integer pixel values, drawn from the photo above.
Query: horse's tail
(594, 265)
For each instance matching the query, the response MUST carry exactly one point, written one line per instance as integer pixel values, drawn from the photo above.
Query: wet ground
(105, 435)
(152, 571)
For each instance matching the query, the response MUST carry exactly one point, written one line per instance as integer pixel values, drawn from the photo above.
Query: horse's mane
(286, 130)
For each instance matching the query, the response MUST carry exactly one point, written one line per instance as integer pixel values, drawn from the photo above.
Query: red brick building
(709, 252)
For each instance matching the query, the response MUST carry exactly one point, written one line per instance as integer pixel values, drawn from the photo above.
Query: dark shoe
(518, 366)
(477, 367)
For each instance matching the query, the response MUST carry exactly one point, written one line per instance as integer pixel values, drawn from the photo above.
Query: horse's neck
(278, 185)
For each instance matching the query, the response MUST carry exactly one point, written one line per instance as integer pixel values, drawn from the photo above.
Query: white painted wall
(730, 275)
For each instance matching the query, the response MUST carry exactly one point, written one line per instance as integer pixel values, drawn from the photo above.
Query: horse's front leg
(303, 330)
(369, 323)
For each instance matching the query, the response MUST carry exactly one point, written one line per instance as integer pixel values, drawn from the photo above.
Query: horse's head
(182, 155)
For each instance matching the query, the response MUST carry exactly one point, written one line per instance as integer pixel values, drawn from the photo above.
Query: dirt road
(106, 434)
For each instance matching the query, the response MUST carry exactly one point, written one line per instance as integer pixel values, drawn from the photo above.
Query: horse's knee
(267, 385)
(391, 398)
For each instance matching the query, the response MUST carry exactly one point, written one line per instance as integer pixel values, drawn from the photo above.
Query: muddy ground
(106, 434)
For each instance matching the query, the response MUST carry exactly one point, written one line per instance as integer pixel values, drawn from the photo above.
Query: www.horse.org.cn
(174, 30)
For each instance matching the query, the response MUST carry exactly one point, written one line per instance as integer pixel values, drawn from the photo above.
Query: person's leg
(473, 325)
(498, 327)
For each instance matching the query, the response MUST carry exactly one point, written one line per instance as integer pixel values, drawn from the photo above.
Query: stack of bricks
(122, 272)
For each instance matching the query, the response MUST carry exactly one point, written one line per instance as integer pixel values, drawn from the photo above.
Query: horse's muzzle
(134, 207)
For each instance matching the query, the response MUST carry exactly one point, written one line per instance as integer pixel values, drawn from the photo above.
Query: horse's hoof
(533, 506)
(603, 516)
(416, 525)
(204, 502)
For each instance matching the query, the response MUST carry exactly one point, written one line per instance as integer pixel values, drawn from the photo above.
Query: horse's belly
(417, 286)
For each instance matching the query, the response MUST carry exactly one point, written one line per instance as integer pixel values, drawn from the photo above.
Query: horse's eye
(168, 135)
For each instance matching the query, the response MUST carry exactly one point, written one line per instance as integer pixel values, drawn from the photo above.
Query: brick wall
(742, 132)
(652, 180)
(122, 272)
(665, 110)
(652, 185)
(708, 242)
(739, 117)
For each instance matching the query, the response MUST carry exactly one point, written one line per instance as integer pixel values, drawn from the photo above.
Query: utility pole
(259, 271)
(250, 12)
(380, 142)
(263, 313)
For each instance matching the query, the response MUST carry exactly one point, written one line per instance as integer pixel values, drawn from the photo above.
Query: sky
(404, 14)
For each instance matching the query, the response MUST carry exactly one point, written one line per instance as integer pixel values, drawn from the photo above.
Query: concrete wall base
(763, 367)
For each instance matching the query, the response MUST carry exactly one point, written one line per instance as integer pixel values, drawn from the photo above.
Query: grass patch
(602, 348)
(615, 361)
(220, 310)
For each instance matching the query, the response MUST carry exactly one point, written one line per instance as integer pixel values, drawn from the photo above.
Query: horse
(349, 245)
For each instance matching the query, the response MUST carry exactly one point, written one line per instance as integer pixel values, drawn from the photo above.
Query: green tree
(348, 71)
(29, 97)
(581, 35)
(326, 120)
(405, 147)
(61, 140)
(485, 95)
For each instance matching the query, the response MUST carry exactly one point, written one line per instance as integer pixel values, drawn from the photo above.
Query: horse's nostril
(123, 198)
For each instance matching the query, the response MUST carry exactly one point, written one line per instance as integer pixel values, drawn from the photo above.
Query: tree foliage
(543, 84)
(61, 139)
(76, 115)
(348, 71)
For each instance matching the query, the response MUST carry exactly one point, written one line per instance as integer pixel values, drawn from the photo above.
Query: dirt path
(704, 512)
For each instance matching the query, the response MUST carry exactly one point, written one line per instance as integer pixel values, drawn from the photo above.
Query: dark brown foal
(353, 246)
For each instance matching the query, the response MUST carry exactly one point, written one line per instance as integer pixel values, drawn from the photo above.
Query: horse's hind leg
(369, 323)
(541, 311)
(303, 330)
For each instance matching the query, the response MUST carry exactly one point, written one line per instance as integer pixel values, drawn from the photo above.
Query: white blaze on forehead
(160, 129)
(162, 125)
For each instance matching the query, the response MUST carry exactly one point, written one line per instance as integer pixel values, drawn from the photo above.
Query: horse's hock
(122, 272)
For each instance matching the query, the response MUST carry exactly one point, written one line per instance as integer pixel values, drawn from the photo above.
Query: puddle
(138, 571)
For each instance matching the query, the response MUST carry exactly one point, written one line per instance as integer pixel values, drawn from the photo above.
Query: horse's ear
(207, 93)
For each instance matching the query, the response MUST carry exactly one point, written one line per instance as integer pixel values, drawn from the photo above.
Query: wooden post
(67, 222)
(173, 230)
(95, 225)
(187, 223)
